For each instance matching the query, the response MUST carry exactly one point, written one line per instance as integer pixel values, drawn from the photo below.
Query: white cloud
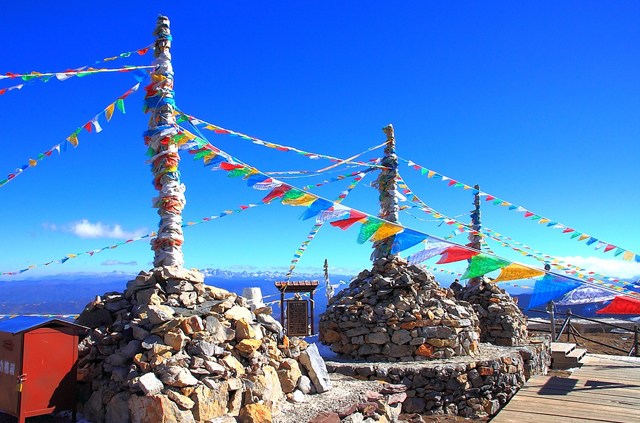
(86, 229)
(119, 263)
(608, 267)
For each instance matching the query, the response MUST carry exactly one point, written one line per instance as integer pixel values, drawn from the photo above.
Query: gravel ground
(344, 392)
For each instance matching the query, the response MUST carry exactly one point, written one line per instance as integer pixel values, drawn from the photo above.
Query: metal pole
(388, 188)
(160, 138)
(552, 311)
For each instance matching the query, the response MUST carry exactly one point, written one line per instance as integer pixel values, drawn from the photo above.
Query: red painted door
(50, 356)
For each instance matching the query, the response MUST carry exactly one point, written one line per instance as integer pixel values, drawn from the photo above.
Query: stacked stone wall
(465, 387)
(501, 321)
(398, 312)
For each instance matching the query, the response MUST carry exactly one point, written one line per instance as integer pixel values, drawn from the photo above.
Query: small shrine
(297, 313)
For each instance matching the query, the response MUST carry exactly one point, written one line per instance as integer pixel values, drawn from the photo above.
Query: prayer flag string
(73, 139)
(372, 228)
(550, 223)
(79, 72)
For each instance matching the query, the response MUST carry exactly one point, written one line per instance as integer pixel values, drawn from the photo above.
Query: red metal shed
(38, 365)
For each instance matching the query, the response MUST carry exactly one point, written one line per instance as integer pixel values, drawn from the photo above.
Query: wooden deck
(604, 389)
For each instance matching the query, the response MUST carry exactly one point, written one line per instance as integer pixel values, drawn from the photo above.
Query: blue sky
(536, 102)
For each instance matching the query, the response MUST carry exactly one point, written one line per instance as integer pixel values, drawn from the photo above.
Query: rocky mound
(173, 349)
(398, 312)
(501, 321)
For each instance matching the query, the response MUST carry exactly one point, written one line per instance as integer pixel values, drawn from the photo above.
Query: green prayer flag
(120, 105)
(367, 230)
(575, 234)
(292, 194)
(483, 264)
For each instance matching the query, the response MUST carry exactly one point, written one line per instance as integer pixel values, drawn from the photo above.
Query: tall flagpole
(388, 188)
(160, 138)
(475, 237)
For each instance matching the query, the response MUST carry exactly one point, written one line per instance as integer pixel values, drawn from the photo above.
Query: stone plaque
(297, 317)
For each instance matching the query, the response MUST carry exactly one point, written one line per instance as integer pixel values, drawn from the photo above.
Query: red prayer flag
(489, 198)
(230, 166)
(345, 224)
(456, 253)
(621, 305)
(609, 247)
(143, 51)
(566, 231)
(277, 192)
(528, 214)
(87, 126)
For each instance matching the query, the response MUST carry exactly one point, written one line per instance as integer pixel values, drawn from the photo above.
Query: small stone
(289, 375)
(401, 337)
(150, 384)
(176, 339)
(159, 314)
(178, 376)
(182, 401)
(425, 350)
(255, 413)
(317, 369)
(156, 408)
(219, 332)
(209, 403)
(237, 313)
(248, 346)
(192, 325)
(296, 396)
(232, 363)
(244, 330)
(304, 384)
(214, 368)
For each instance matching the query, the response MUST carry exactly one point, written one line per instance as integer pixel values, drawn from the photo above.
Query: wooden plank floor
(604, 389)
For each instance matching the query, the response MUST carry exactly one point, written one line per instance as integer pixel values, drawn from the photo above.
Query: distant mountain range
(69, 293)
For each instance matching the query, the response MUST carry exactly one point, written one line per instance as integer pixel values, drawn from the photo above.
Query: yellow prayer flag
(517, 271)
(544, 220)
(385, 231)
(583, 237)
(628, 255)
(209, 157)
(108, 112)
(32, 162)
(430, 174)
(73, 140)
(303, 200)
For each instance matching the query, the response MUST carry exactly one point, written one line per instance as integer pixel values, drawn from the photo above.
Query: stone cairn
(172, 349)
(501, 321)
(398, 312)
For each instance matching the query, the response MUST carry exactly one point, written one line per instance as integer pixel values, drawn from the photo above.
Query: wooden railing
(568, 328)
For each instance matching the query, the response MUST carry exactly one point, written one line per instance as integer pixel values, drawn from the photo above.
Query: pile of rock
(464, 386)
(501, 321)
(380, 406)
(398, 312)
(171, 348)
